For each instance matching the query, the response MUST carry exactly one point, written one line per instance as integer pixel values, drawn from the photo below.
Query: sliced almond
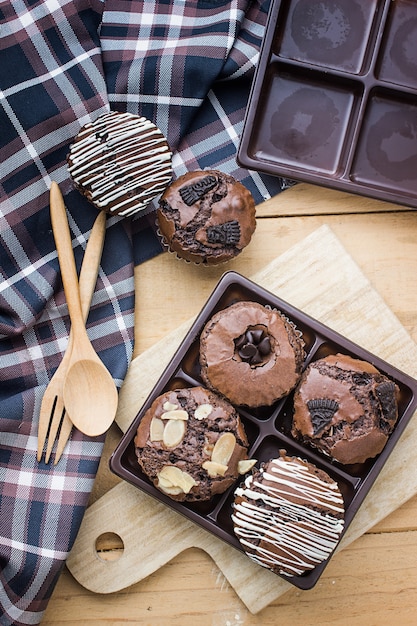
(175, 414)
(208, 448)
(169, 406)
(162, 479)
(167, 487)
(174, 432)
(171, 491)
(214, 469)
(223, 448)
(172, 476)
(203, 411)
(156, 429)
(245, 465)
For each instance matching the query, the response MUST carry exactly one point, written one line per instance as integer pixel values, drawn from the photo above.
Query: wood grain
(319, 277)
(372, 579)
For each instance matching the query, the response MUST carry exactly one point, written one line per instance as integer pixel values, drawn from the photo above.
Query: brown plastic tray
(334, 98)
(267, 428)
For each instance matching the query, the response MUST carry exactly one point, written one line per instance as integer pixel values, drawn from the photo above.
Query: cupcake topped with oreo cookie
(345, 408)
(206, 217)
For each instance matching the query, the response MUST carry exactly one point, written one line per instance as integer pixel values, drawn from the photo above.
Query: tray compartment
(304, 120)
(397, 61)
(386, 154)
(305, 59)
(333, 34)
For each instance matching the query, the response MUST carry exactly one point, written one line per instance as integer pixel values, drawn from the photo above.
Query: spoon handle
(66, 258)
(91, 263)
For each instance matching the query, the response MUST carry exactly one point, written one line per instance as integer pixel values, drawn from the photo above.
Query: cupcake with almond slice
(191, 444)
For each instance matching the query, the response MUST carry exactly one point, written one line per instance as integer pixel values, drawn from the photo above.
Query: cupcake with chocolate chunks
(345, 408)
(288, 515)
(206, 217)
(120, 162)
(251, 354)
(192, 444)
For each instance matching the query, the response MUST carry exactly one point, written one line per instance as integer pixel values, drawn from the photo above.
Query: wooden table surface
(373, 581)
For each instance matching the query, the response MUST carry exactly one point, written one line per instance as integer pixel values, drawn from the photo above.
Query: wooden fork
(53, 417)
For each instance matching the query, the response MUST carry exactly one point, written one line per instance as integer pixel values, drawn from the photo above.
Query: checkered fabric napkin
(187, 66)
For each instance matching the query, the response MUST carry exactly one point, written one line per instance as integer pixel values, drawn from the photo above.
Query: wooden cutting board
(319, 277)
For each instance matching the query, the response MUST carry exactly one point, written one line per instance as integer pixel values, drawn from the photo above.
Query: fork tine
(47, 408)
(59, 411)
(64, 433)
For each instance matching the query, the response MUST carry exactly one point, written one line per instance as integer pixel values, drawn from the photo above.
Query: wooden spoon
(90, 395)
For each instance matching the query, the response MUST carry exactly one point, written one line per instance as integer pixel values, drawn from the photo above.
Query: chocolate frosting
(362, 417)
(207, 217)
(237, 378)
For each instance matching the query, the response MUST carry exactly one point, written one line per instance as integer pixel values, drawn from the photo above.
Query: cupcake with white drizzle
(288, 515)
(120, 162)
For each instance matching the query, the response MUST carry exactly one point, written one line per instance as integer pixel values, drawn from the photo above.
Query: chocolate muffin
(288, 515)
(120, 162)
(346, 408)
(251, 354)
(206, 217)
(192, 444)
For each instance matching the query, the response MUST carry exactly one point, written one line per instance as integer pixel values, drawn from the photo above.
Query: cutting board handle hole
(109, 546)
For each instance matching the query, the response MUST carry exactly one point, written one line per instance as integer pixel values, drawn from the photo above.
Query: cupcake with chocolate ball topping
(206, 217)
(345, 408)
(251, 354)
(120, 162)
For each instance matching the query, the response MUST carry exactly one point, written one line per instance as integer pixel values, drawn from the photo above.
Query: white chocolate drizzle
(122, 161)
(286, 536)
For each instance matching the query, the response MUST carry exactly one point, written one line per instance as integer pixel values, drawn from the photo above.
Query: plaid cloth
(62, 63)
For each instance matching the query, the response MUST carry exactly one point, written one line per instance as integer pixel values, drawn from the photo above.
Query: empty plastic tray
(334, 98)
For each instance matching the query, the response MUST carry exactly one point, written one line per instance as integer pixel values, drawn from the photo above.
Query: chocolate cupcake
(288, 515)
(206, 217)
(120, 163)
(251, 354)
(192, 444)
(345, 408)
